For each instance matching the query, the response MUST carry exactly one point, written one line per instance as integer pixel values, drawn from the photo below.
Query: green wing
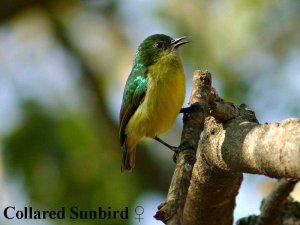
(134, 93)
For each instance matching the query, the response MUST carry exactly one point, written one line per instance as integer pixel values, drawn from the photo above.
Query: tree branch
(242, 145)
(211, 195)
(272, 206)
(232, 142)
(226, 150)
(278, 208)
(170, 212)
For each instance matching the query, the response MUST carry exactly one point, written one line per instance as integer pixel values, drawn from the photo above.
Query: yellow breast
(163, 100)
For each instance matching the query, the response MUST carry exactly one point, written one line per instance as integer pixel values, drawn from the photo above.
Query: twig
(277, 208)
(170, 212)
(272, 206)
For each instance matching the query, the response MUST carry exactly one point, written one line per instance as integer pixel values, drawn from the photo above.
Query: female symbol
(139, 210)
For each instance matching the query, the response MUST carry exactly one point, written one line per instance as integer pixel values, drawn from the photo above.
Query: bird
(153, 94)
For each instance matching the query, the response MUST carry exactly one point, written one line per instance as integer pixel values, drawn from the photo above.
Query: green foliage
(63, 164)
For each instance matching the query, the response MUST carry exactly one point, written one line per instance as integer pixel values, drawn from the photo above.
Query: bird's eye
(158, 44)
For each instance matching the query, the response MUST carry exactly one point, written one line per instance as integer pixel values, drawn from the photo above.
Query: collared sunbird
(153, 94)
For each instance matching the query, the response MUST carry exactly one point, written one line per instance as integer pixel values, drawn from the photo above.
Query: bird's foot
(183, 146)
(190, 109)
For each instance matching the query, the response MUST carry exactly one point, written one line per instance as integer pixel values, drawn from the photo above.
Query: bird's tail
(128, 161)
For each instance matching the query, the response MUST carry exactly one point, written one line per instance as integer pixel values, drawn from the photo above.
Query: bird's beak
(178, 42)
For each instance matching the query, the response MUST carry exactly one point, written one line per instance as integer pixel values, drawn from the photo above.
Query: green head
(156, 46)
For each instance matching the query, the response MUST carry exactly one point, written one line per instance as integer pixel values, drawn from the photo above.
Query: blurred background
(63, 66)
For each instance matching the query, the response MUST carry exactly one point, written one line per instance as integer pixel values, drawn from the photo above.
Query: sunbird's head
(157, 46)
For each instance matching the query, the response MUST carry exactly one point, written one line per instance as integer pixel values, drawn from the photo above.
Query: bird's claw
(192, 108)
(182, 147)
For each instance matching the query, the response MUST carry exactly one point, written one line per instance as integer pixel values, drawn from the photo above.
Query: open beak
(178, 42)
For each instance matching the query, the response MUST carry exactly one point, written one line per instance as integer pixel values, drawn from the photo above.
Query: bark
(277, 208)
(170, 212)
(242, 145)
(233, 142)
(228, 149)
(274, 203)
(211, 196)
